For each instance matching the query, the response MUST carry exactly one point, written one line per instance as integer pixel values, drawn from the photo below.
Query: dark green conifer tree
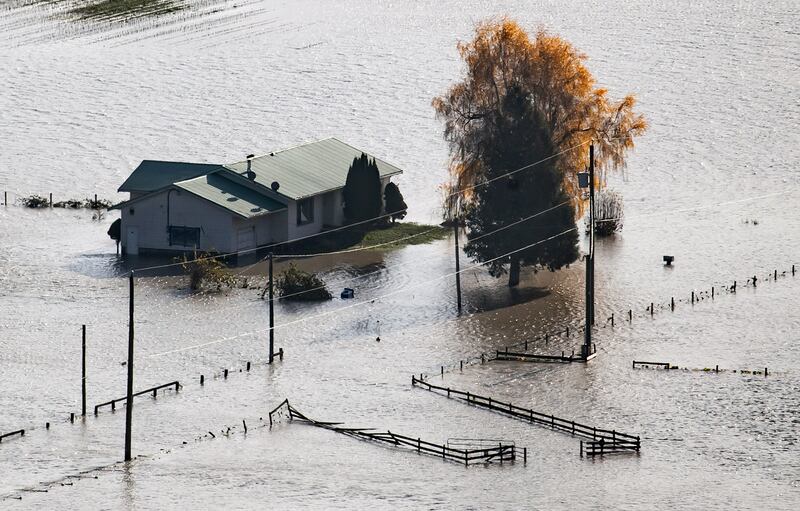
(518, 136)
(362, 190)
(395, 204)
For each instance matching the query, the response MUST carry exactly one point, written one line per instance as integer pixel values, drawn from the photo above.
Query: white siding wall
(268, 228)
(333, 213)
(297, 231)
(150, 219)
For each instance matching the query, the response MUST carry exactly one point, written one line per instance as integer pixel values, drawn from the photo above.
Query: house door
(245, 239)
(132, 241)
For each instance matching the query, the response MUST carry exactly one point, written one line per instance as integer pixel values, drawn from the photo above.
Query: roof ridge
(296, 146)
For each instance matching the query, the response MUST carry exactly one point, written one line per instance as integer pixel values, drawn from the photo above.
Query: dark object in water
(668, 259)
(348, 293)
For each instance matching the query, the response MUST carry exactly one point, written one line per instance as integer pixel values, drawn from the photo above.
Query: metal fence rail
(20, 432)
(154, 390)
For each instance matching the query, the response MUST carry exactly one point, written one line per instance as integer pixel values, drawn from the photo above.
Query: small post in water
(51, 199)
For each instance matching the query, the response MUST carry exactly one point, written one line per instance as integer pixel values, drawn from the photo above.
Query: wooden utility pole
(129, 396)
(458, 265)
(271, 315)
(587, 345)
(83, 370)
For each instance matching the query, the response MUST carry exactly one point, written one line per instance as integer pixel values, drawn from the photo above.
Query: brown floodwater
(718, 84)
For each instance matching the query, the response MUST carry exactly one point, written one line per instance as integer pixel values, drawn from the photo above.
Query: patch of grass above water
(398, 232)
(127, 8)
(387, 237)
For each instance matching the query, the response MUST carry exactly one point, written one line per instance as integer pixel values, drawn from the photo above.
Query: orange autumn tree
(522, 100)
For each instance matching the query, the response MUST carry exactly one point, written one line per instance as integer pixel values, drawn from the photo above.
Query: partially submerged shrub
(296, 284)
(608, 213)
(69, 204)
(85, 203)
(207, 273)
(115, 230)
(35, 201)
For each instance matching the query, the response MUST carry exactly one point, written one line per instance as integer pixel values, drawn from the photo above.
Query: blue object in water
(348, 293)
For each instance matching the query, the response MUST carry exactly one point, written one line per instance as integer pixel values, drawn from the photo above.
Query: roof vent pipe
(250, 174)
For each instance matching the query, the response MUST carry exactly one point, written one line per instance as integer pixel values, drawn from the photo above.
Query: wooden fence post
(83, 370)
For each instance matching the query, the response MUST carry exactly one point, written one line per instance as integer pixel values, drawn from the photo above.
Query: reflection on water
(703, 434)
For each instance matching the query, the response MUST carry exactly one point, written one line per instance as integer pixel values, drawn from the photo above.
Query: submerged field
(84, 102)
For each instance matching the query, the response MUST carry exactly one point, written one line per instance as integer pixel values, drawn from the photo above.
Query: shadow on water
(482, 300)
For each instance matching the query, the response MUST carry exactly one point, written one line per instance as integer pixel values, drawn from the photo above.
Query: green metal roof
(153, 175)
(309, 169)
(232, 196)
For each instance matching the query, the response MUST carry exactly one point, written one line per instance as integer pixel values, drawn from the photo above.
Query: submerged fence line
(613, 440)
(36, 201)
(479, 453)
(716, 369)
(564, 332)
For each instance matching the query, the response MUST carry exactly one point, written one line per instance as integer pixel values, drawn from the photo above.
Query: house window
(305, 211)
(184, 236)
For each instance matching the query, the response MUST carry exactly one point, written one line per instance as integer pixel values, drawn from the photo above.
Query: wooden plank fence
(534, 357)
(620, 441)
(482, 454)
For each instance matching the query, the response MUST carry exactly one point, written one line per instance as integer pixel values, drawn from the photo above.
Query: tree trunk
(513, 272)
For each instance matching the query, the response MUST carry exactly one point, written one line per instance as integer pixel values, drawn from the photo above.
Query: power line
(321, 233)
(365, 302)
(373, 272)
(699, 208)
